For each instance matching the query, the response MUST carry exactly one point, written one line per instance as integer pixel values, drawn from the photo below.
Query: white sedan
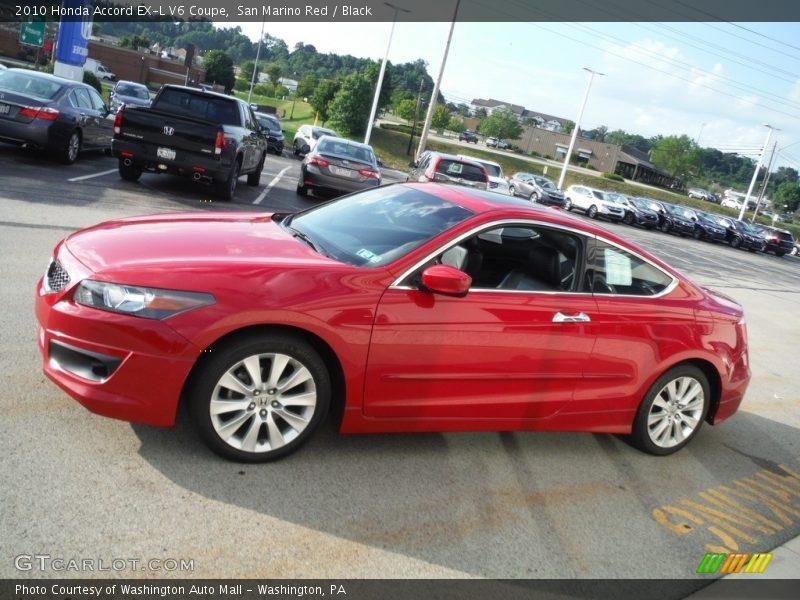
(592, 202)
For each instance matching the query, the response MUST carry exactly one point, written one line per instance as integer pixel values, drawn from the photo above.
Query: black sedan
(635, 213)
(272, 126)
(682, 219)
(706, 227)
(42, 111)
(536, 188)
(338, 165)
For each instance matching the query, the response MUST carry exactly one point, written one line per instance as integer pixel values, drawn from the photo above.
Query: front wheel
(672, 411)
(736, 242)
(592, 212)
(260, 398)
(697, 234)
(535, 197)
(512, 191)
(568, 204)
(628, 218)
(665, 227)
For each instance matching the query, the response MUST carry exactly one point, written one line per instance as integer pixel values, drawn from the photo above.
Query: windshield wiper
(304, 238)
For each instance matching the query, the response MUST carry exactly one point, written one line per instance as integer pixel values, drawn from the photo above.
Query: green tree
(274, 72)
(677, 155)
(322, 98)
(219, 69)
(307, 85)
(441, 117)
(501, 124)
(406, 109)
(567, 126)
(456, 124)
(246, 70)
(349, 110)
(788, 195)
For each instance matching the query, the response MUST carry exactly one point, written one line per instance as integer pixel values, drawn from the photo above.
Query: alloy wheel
(676, 412)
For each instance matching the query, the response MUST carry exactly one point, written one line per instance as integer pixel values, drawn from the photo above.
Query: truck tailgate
(169, 132)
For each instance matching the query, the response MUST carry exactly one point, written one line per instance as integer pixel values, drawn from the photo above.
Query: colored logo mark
(742, 562)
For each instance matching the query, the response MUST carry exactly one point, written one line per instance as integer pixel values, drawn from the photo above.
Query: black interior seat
(542, 272)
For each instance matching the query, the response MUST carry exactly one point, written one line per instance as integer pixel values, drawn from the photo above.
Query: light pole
(374, 110)
(770, 129)
(423, 137)
(702, 126)
(577, 126)
(255, 65)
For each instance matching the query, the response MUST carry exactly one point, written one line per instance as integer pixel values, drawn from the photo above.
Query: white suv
(592, 202)
(497, 181)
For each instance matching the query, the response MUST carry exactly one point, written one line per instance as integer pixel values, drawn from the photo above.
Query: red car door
(511, 354)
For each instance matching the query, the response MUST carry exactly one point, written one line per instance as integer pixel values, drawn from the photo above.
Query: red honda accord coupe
(413, 307)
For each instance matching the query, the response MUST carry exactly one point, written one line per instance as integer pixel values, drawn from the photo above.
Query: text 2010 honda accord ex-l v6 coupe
(413, 307)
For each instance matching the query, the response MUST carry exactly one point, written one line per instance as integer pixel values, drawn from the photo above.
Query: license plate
(342, 172)
(4, 109)
(167, 153)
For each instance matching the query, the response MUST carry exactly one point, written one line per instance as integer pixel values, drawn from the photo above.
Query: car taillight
(34, 112)
(219, 144)
(319, 162)
(117, 122)
(369, 173)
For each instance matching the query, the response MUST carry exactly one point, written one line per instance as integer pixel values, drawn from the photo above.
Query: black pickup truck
(191, 132)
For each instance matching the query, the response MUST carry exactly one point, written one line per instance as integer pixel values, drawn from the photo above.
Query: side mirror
(254, 106)
(446, 280)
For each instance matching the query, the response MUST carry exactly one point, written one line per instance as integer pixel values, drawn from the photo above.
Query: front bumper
(115, 365)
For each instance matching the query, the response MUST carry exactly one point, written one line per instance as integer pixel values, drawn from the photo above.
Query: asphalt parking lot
(496, 505)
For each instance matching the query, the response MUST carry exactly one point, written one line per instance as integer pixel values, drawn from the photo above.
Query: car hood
(180, 240)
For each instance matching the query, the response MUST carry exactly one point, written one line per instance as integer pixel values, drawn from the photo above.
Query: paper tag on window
(618, 268)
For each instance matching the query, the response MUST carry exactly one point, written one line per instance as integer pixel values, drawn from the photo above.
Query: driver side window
(528, 258)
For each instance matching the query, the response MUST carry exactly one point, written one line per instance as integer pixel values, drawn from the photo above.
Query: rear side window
(31, 85)
(460, 170)
(612, 270)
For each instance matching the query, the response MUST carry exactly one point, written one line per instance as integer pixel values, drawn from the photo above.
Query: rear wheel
(512, 191)
(697, 234)
(535, 197)
(736, 242)
(227, 188)
(779, 253)
(592, 212)
(301, 189)
(130, 172)
(72, 147)
(628, 218)
(672, 412)
(260, 398)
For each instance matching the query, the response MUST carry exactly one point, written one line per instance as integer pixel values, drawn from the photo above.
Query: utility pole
(766, 181)
(770, 129)
(423, 138)
(416, 116)
(255, 65)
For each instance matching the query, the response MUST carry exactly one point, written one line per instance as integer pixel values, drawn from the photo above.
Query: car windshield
(22, 83)
(318, 133)
(493, 170)
(134, 91)
(270, 123)
(545, 183)
(377, 226)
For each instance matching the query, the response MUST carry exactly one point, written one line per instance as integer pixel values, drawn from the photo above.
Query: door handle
(581, 317)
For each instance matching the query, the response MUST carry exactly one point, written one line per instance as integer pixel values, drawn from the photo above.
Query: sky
(719, 83)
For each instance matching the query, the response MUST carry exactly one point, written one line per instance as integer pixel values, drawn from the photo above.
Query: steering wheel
(600, 285)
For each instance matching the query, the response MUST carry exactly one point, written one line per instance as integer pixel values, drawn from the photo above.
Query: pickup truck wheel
(130, 172)
(254, 178)
(226, 189)
(69, 152)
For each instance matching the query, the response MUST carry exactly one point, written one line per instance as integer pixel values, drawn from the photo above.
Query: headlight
(151, 303)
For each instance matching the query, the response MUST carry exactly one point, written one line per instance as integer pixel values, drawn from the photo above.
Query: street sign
(31, 33)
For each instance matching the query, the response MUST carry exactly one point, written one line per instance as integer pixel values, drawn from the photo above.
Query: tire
(736, 242)
(672, 411)
(697, 234)
(568, 205)
(72, 147)
(301, 189)
(227, 189)
(295, 149)
(535, 197)
(629, 219)
(665, 227)
(592, 212)
(512, 191)
(264, 420)
(254, 178)
(130, 173)
(779, 254)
